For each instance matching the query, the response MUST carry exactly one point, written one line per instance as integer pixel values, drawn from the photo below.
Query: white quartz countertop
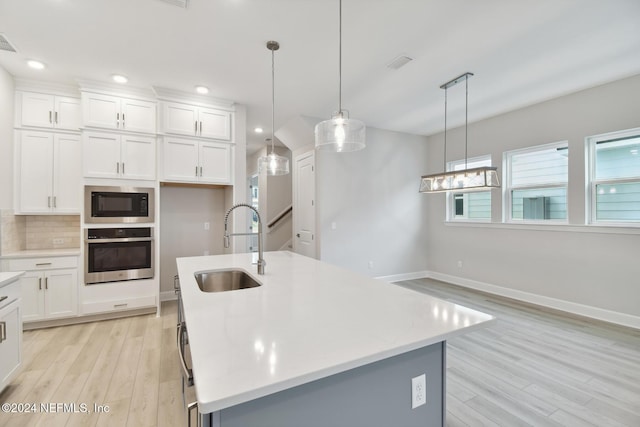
(32, 253)
(307, 321)
(6, 278)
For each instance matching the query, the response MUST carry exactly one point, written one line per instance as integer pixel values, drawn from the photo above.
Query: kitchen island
(316, 345)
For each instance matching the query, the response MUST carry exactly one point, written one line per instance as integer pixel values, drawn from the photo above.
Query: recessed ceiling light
(202, 90)
(258, 130)
(36, 65)
(119, 78)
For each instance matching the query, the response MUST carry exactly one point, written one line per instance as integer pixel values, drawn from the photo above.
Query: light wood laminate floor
(531, 367)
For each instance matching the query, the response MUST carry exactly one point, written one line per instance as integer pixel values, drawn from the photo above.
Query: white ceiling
(521, 52)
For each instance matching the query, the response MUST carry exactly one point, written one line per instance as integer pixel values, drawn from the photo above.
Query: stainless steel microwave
(118, 204)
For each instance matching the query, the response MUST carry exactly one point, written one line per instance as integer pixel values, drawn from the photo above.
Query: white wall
(571, 265)
(6, 139)
(372, 197)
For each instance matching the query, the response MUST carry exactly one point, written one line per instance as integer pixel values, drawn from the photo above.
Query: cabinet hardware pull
(122, 168)
(118, 167)
(196, 130)
(200, 128)
(40, 284)
(123, 121)
(200, 171)
(193, 405)
(196, 171)
(54, 202)
(40, 264)
(118, 120)
(49, 201)
(188, 373)
(120, 305)
(46, 283)
(3, 331)
(3, 298)
(56, 117)
(50, 117)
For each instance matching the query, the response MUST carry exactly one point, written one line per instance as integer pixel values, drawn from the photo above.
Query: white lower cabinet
(10, 334)
(48, 292)
(197, 161)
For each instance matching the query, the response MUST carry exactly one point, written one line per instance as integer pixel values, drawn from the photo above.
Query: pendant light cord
(445, 130)
(340, 61)
(273, 99)
(466, 114)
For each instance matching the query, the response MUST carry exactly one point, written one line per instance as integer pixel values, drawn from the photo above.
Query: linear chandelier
(464, 180)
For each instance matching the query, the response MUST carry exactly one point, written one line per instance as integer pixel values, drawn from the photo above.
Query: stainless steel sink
(224, 280)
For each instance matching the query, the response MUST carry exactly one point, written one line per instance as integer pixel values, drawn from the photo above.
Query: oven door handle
(124, 240)
(188, 373)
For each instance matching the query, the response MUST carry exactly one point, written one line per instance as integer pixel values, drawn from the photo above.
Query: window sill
(604, 229)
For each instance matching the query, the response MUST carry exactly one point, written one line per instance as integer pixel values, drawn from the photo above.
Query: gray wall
(590, 266)
(372, 197)
(6, 139)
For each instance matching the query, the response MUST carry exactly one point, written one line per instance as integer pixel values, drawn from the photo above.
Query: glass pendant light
(272, 163)
(465, 180)
(340, 133)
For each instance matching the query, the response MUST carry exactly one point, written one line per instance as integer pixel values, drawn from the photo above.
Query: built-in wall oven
(118, 204)
(117, 254)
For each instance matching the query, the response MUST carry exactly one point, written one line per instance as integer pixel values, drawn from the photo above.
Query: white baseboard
(562, 305)
(405, 276)
(168, 296)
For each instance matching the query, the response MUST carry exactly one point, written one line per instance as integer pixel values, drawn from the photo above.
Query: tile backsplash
(34, 232)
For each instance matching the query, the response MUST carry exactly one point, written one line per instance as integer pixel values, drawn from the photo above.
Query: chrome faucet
(227, 240)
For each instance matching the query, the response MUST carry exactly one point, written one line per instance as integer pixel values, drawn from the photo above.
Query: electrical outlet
(418, 391)
(58, 241)
(207, 225)
(459, 264)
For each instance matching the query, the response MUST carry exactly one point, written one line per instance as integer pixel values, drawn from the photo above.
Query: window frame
(507, 188)
(591, 182)
(450, 202)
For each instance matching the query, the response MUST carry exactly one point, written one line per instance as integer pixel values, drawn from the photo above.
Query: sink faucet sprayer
(227, 240)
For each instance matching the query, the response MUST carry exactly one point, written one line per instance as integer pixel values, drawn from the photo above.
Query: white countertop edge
(34, 253)
(221, 404)
(9, 277)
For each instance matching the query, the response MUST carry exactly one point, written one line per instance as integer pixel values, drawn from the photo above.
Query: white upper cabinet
(196, 161)
(112, 112)
(49, 174)
(185, 119)
(47, 111)
(114, 155)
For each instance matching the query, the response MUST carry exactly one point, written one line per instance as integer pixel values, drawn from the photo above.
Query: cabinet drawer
(11, 291)
(118, 305)
(23, 264)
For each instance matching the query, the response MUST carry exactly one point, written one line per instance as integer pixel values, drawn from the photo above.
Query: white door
(138, 157)
(215, 163)
(10, 347)
(180, 159)
(36, 171)
(37, 110)
(101, 111)
(101, 154)
(67, 173)
(180, 119)
(68, 113)
(32, 288)
(60, 289)
(214, 124)
(138, 116)
(304, 209)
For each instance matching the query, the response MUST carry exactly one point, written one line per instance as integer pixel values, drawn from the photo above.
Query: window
(614, 177)
(535, 186)
(471, 206)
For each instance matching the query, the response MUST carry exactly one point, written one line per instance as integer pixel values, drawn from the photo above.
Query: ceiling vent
(179, 3)
(5, 44)
(399, 61)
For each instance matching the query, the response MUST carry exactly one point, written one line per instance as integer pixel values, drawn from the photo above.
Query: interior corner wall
(6, 139)
(571, 265)
(370, 214)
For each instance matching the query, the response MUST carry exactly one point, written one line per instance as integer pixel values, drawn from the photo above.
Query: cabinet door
(101, 154)
(215, 124)
(138, 116)
(67, 173)
(10, 347)
(101, 111)
(67, 113)
(180, 159)
(215, 160)
(35, 152)
(37, 109)
(180, 119)
(138, 157)
(61, 289)
(32, 289)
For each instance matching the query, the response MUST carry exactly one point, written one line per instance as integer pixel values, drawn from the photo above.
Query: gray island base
(373, 395)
